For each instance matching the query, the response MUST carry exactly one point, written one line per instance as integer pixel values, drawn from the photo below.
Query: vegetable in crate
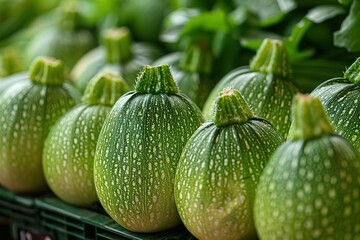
(266, 85)
(138, 150)
(310, 187)
(220, 167)
(191, 71)
(340, 97)
(67, 40)
(117, 53)
(70, 146)
(29, 108)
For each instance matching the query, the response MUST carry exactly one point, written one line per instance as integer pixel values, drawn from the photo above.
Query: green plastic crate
(66, 222)
(19, 217)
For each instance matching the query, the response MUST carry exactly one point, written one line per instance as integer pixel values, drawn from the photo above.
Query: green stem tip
(47, 70)
(105, 89)
(271, 58)
(353, 72)
(231, 108)
(117, 43)
(197, 59)
(309, 119)
(156, 80)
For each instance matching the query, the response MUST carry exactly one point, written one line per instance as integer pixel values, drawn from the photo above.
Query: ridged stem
(9, 62)
(197, 59)
(117, 43)
(271, 58)
(156, 80)
(353, 72)
(309, 119)
(104, 89)
(231, 108)
(47, 70)
(69, 16)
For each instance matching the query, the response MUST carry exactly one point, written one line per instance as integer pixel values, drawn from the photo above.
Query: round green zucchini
(70, 146)
(117, 53)
(29, 107)
(266, 85)
(67, 40)
(310, 187)
(138, 150)
(340, 97)
(219, 170)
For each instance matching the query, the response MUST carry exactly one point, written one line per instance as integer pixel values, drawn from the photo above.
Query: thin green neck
(47, 70)
(271, 58)
(156, 80)
(230, 108)
(104, 89)
(197, 59)
(309, 119)
(117, 43)
(353, 72)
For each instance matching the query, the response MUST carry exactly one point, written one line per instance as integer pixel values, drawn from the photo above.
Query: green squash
(219, 170)
(138, 150)
(340, 97)
(70, 146)
(266, 85)
(6, 82)
(65, 39)
(191, 70)
(117, 53)
(310, 187)
(29, 107)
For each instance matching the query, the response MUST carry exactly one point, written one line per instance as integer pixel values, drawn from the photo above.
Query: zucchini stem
(48, 71)
(156, 80)
(231, 108)
(272, 58)
(104, 89)
(117, 43)
(309, 119)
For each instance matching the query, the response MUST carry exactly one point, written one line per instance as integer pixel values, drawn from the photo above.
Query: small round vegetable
(117, 53)
(28, 109)
(138, 150)
(340, 97)
(70, 146)
(310, 187)
(66, 40)
(219, 169)
(266, 85)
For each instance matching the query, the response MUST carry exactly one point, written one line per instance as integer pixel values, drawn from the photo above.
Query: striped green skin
(69, 46)
(95, 61)
(310, 190)
(6, 82)
(136, 158)
(28, 111)
(217, 175)
(69, 154)
(341, 102)
(268, 95)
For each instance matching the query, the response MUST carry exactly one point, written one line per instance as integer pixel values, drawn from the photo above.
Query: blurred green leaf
(214, 21)
(348, 35)
(269, 12)
(324, 12)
